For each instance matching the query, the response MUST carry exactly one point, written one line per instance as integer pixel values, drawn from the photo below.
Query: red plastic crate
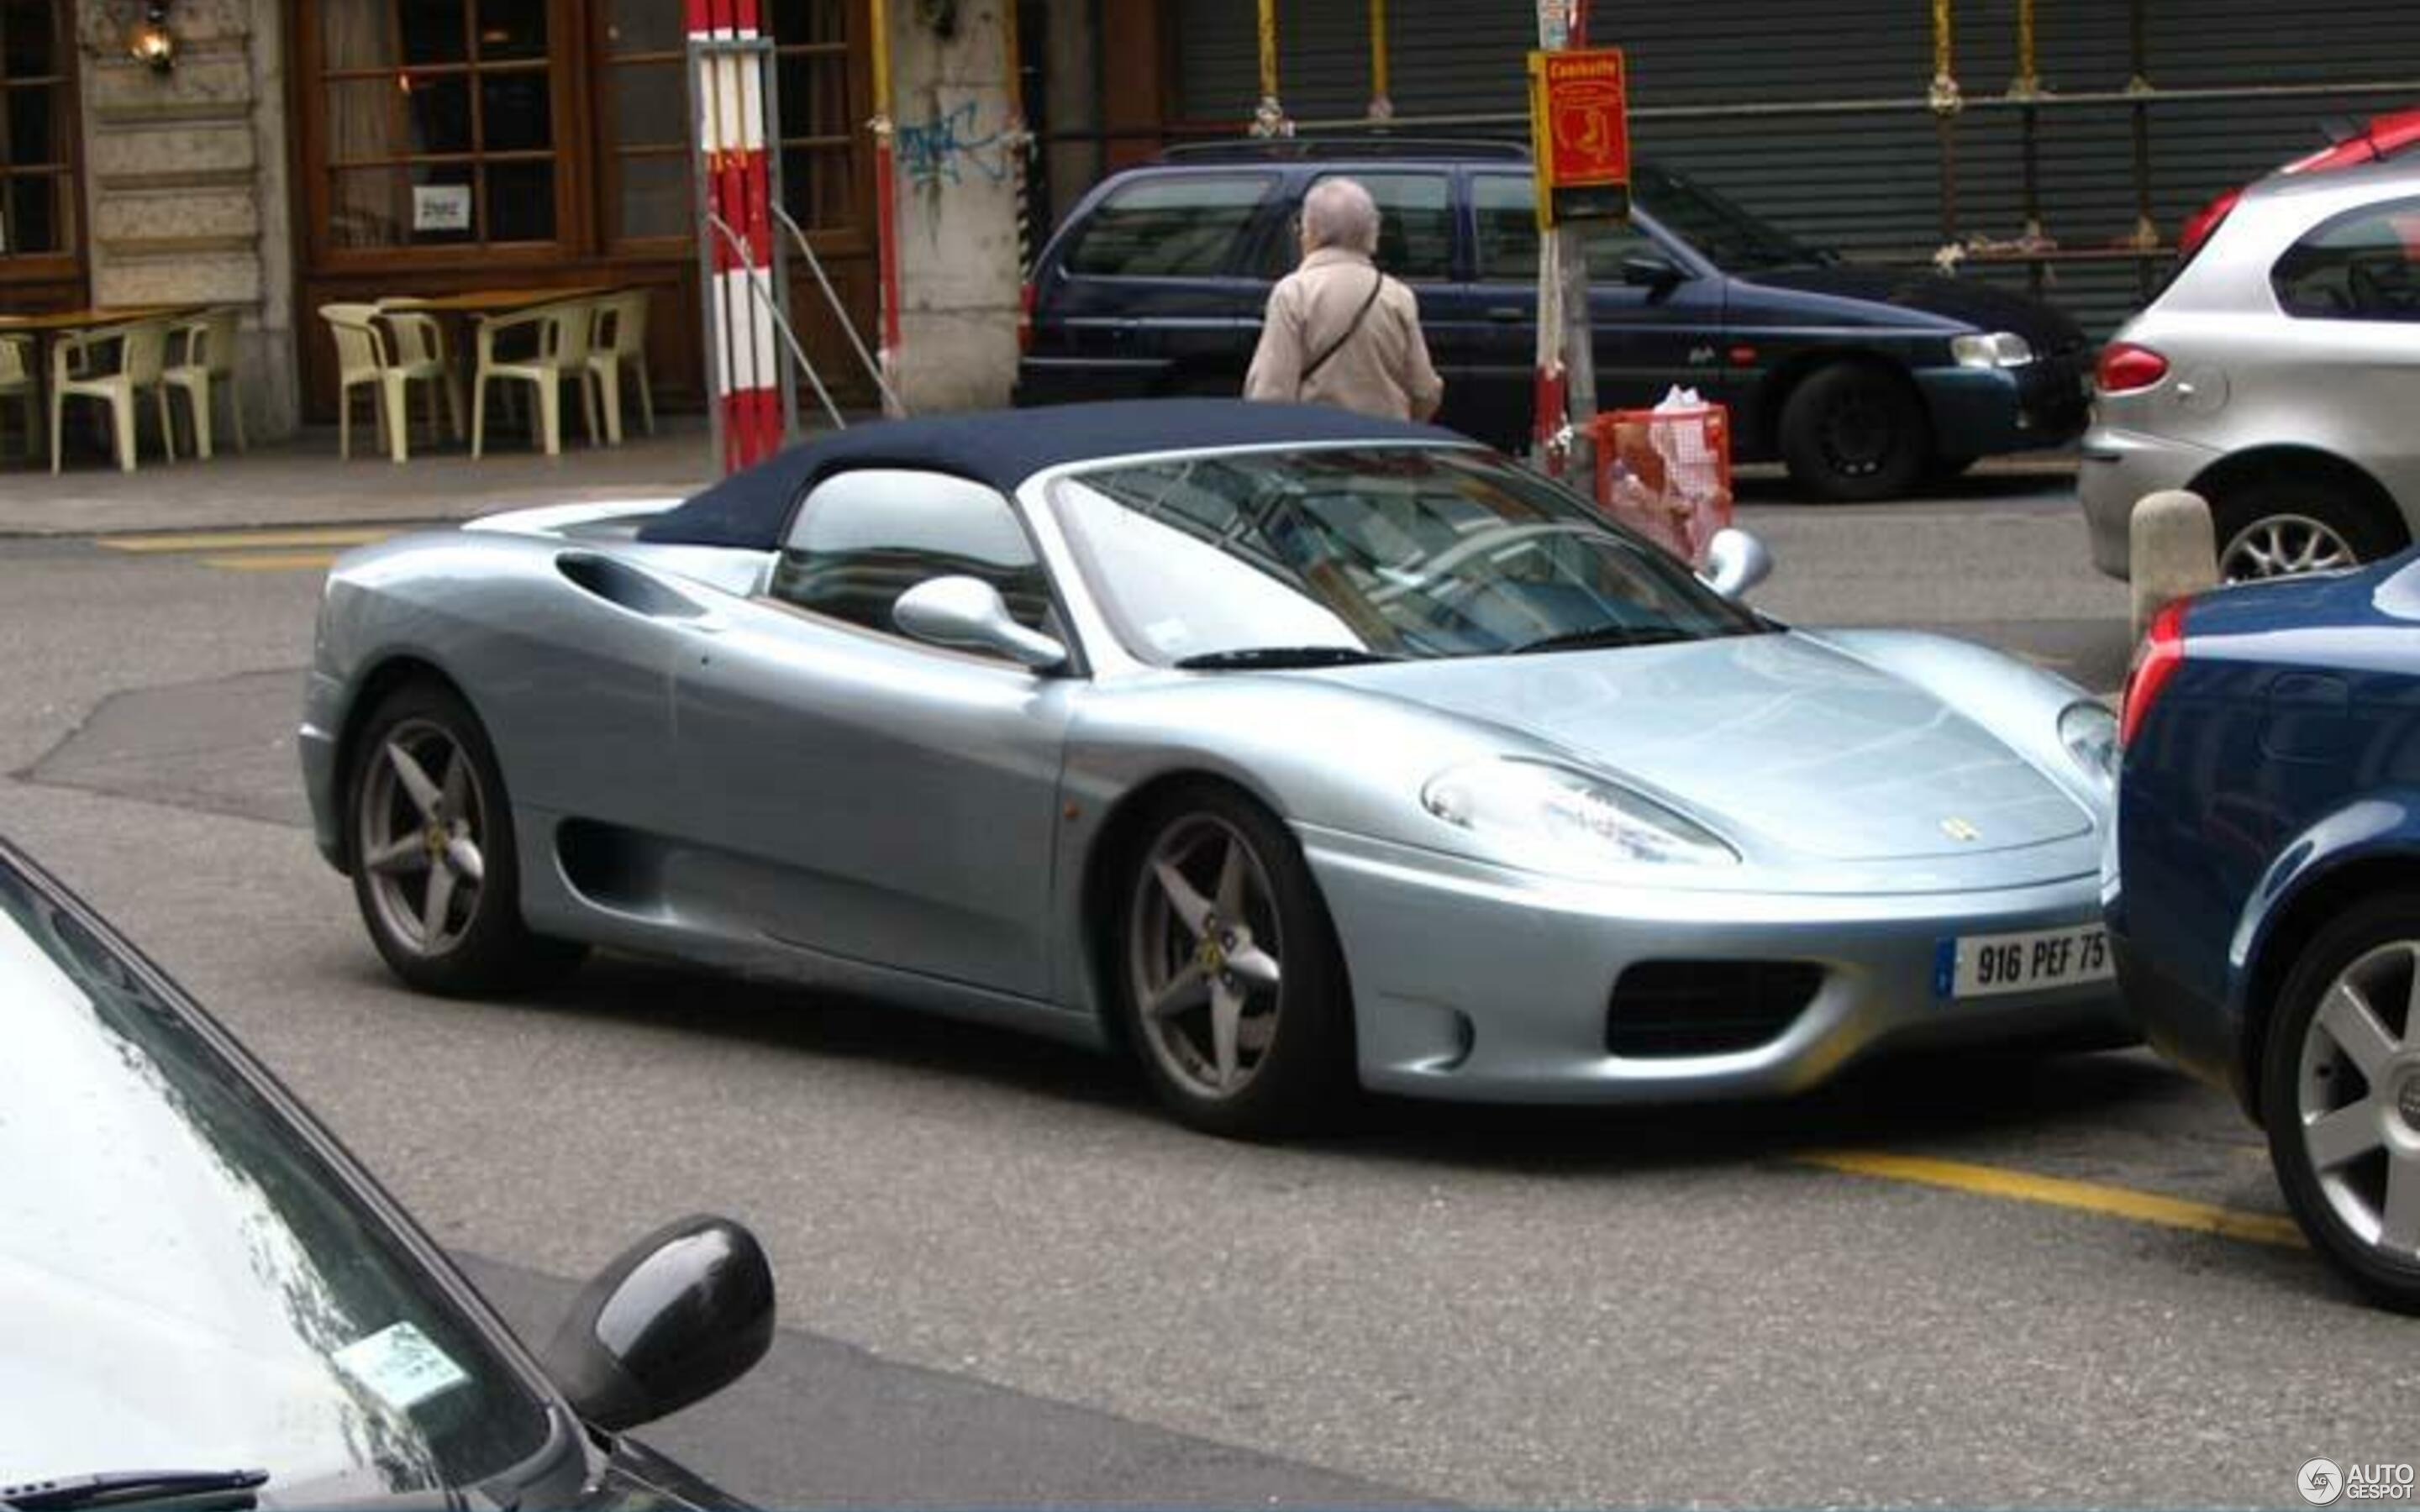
(1667, 475)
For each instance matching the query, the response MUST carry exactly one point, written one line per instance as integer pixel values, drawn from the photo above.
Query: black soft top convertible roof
(1004, 448)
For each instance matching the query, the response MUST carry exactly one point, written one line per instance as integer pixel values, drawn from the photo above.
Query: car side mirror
(1651, 271)
(677, 1316)
(1735, 562)
(967, 611)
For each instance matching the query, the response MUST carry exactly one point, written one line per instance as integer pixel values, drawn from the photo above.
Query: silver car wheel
(2358, 1099)
(2280, 546)
(422, 822)
(1202, 954)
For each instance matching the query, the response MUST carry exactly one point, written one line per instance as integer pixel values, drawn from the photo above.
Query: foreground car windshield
(1367, 553)
(185, 1282)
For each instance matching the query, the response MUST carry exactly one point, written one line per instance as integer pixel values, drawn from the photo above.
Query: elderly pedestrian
(1338, 331)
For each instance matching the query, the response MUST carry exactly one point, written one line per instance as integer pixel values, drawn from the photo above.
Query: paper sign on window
(441, 206)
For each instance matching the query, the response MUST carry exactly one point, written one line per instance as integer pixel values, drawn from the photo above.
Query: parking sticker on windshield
(402, 1365)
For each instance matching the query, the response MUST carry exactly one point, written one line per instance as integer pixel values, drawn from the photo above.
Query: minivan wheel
(2341, 1094)
(2279, 527)
(1852, 433)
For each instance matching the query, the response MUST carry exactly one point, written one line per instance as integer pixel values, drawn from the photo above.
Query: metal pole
(890, 401)
(1566, 333)
(1382, 105)
(2028, 87)
(1945, 102)
(2147, 231)
(886, 197)
(1269, 117)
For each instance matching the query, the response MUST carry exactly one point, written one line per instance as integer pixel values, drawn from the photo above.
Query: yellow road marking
(2058, 1191)
(273, 560)
(251, 540)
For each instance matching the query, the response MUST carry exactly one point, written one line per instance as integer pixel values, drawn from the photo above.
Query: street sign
(1579, 133)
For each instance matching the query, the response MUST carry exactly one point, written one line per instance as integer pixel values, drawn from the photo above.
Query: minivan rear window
(1174, 227)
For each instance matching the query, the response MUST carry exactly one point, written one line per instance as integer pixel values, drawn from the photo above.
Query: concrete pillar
(957, 205)
(185, 183)
(2172, 552)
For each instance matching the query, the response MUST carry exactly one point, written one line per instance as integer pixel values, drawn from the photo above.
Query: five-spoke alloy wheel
(1227, 970)
(2340, 1092)
(432, 849)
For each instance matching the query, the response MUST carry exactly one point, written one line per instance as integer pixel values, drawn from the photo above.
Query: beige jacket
(1382, 369)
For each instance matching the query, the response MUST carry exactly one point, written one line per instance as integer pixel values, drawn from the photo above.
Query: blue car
(2265, 905)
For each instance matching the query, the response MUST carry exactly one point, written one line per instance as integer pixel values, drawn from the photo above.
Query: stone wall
(186, 179)
(957, 164)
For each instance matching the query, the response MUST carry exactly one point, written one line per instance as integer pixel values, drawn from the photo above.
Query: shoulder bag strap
(1377, 282)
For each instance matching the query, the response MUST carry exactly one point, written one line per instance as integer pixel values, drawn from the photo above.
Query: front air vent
(1706, 1008)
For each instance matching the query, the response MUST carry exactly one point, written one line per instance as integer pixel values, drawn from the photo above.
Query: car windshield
(1729, 237)
(185, 1282)
(1367, 553)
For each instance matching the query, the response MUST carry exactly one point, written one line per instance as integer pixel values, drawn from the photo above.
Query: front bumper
(1982, 411)
(2121, 467)
(1474, 983)
(316, 743)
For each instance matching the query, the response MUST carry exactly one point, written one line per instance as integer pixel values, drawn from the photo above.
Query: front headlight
(2089, 732)
(1554, 819)
(2001, 349)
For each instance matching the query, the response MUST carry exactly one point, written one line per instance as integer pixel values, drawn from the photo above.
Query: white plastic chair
(141, 351)
(18, 389)
(203, 369)
(618, 345)
(363, 361)
(419, 347)
(560, 355)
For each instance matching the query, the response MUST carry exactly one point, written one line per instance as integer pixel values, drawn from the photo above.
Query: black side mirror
(1647, 270)
(677, 1316)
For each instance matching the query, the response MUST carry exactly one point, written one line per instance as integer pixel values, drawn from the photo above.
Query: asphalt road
(1983, 1280)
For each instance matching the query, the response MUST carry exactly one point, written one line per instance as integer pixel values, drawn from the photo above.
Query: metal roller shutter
(1811, 112)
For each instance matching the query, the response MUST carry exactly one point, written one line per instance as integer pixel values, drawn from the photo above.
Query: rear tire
(429, 839)
(2341, 1094)
(2274, 526)
(1854, 433)
(1226, 973)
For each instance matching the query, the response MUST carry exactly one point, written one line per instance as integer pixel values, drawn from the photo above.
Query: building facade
(301, 152)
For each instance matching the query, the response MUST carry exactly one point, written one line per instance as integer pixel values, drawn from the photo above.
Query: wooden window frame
(64, 263)
(563, 67)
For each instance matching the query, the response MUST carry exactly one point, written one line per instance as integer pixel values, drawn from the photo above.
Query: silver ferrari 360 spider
(1290, 749)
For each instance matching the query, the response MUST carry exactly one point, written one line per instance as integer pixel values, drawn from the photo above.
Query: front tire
(1854, 433)
(430, 843)
(2340, 1094)
(2279, 527)
(1228, 978)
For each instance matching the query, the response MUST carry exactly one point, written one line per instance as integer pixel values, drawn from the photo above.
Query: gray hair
(1339, 212)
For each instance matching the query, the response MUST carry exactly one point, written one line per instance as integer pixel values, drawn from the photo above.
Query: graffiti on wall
(948, 145)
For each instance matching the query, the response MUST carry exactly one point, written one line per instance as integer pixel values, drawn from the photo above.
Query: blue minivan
(1865, 381)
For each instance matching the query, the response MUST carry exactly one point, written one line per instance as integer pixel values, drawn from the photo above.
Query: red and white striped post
(728, 61)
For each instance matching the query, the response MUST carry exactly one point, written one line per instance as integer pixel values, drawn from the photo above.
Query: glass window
(438, 122)
(646, 116)
(820, 127)
(866, 536)
(1506, 209)
(1415, 224)
(36, 187)
(2364, 266)
(1393, 552)
(1175, 227)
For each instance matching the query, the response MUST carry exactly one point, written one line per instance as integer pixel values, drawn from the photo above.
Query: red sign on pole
(1579, 130)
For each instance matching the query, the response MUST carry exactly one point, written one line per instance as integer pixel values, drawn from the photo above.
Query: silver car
(1290, 749)
(2277, 376)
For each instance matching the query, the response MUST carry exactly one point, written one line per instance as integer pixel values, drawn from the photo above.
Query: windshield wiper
(187, 1490)
(1245, 657)
(1603, 635)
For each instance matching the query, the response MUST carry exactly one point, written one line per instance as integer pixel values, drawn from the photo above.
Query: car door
(1648, 337)
(2342, 372)
(877, 798)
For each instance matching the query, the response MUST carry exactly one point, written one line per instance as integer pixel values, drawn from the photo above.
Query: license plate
(1985, 965)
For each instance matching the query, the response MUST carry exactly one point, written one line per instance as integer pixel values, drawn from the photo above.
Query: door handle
(1507, 314)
